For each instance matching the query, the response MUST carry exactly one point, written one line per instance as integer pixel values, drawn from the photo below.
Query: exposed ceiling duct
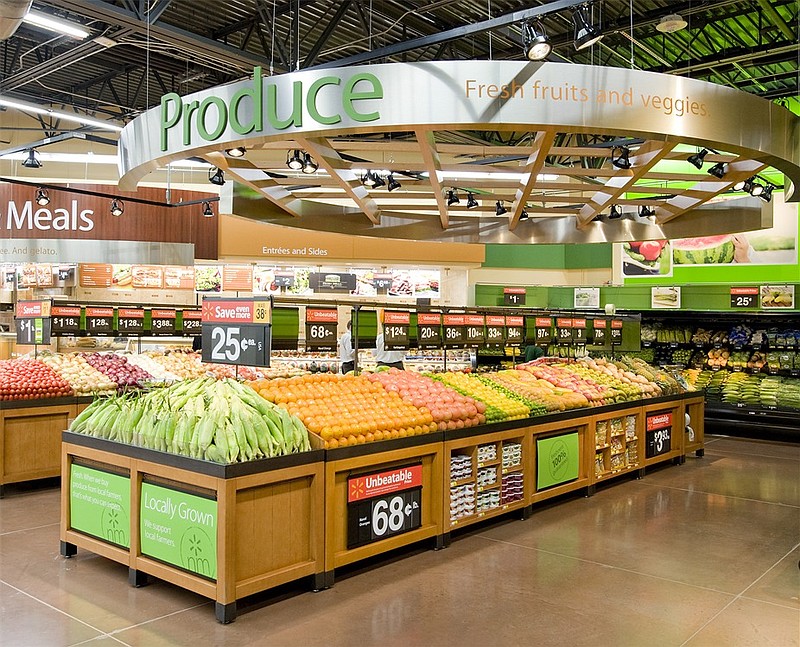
(11, 14)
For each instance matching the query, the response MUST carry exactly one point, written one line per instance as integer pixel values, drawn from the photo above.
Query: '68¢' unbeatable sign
(383, 504)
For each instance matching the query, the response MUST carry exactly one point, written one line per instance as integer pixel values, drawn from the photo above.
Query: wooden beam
(427, 147)
(540, 148)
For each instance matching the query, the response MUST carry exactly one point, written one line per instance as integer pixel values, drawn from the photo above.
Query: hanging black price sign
(746, 297)
(382, 282)
(429, 330)
(284, 279)
(544, 330)
(514, 296)
(65, 321)
(162, 322)
(453, 328)
(579, 331)
(383, 504)
(515, 331)
(99, 321)
(658, 434)
(564, 331)
(395, 330)
(191, 322)
(321, 327)
(474, 329)
(236, 331)
(32, 322)
(616, 332)
(599, 328)
(495, 330)
(130, 321)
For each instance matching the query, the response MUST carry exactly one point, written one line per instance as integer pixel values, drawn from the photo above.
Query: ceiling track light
(368, 180)
(766, 194)
(697, 159)
(391, 183)
(216, 176)
(294, 160)
(524, 215)
(756, 189)
(615, 213)
(239, 151)
(42, 197)
(622, 159)
(32, 161)
(586, 33)
(117, 207)
(535, 42)
(718, 170)
(472, 203)
(499, 209)
(379, 182)
(745, 185)
(208, 212)
(646, 212)
(309, 165)
(452, 198)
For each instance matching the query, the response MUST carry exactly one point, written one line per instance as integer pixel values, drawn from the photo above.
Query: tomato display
(30, 379)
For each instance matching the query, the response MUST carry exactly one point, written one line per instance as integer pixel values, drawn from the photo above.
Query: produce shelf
(753, 421)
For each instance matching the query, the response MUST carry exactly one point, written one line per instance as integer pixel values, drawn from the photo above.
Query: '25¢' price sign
(237, 331)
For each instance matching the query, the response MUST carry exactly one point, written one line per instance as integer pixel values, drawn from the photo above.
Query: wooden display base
(695, 407)
(269, 517)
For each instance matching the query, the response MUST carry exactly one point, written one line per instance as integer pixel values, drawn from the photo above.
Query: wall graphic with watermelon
(749, 257)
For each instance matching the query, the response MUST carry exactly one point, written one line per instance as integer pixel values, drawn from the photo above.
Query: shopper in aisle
(533, 352)
(383, 357)
(346, 353)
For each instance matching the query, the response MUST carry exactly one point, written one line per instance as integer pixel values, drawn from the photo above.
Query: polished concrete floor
(705, 553)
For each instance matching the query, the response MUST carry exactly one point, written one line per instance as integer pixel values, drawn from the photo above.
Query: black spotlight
(586, 33)
(524, 215)
(696, 160)
(646, 212)
(766, 194)
(718, 170)
(622, 158)
(369, 179)
(117, 207)
(294, 160)
(745, 185)
(32, 161)
(756, 189)
(378, 182)
(535, 42)
(499, 209)
(391, 183)
(239, 151)
(309, 165)
(452, 198)
(216, 176)
(42, 197)
(615, 213)
(208, 212)
(472, 203)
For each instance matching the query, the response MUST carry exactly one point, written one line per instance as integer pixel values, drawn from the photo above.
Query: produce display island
(229, 531)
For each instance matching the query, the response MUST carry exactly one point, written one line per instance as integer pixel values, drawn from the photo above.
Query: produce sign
(515, 331)
(65, 320)
(381, 282)
(514, 296)
(192, 322)
(33, 322)
(544, 330)
(777, 297)
(383, 504)
(179, 529)
(495, 329)
(236, 331)
(579, 331)
(332, 282)
(395, 330)
(658, 434)
(599, 327)
(284, 279)
(563, 330)
(99, 321)
(454, 333)
(557, 460)
(162, 322)
(429, 330)
(130, 321)
(321, 326)
(616, 332)
(100, 504)
(475, 333)
(744, 297)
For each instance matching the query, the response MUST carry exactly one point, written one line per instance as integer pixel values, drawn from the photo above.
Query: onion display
(118, 369)
(81, 376)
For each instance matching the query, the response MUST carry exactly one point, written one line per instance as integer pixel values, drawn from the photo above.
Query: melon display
(706, 250)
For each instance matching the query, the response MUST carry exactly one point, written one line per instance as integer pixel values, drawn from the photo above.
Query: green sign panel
(557, 460)
(100, 504)
(179, 529)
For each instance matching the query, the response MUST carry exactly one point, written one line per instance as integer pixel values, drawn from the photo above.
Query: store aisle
(702, 554)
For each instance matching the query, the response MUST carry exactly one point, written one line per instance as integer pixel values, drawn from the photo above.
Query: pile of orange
(346, 409)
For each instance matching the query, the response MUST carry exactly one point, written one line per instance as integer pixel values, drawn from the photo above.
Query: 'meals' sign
(212, 116)
(25, 216)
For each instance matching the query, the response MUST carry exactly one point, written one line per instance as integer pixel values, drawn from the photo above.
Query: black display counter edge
(207, 468)
(752, 421)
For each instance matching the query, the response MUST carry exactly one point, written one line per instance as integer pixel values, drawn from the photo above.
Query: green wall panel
(555, 257)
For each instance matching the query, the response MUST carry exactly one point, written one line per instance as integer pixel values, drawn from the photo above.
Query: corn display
(216, 420)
